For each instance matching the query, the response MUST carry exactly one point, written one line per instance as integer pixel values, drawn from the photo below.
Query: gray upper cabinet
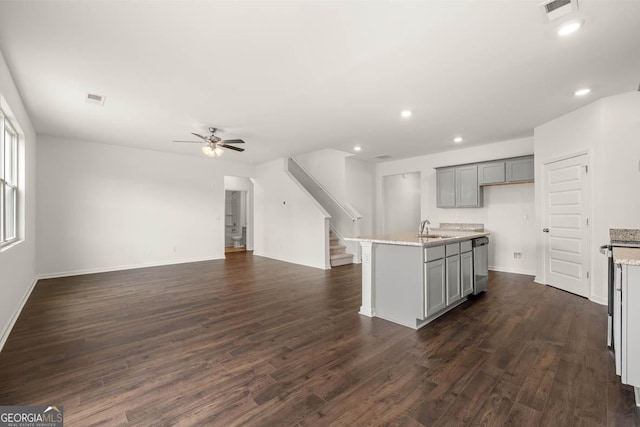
(519, 170)
(446, 184)
(491, 173)
(467, 189)
(462, 186)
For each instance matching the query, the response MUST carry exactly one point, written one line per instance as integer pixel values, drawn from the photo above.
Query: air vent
(383, 157)
(92, 98)
(555, 9)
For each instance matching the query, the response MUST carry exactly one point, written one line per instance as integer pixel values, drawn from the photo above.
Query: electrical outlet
(517, 255)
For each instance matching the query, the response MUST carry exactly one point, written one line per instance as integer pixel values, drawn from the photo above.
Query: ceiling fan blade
(233, 141)
(198, 135)
(194, 142)
(230, 147)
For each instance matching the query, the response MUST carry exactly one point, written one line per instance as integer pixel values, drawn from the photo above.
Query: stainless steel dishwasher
(480, 264)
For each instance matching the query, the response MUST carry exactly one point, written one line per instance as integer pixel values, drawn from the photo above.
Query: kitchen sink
(434, 236)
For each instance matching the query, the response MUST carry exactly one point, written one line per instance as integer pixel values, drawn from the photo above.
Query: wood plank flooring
(253, 341)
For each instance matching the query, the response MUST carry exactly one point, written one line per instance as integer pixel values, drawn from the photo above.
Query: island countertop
(444, 237)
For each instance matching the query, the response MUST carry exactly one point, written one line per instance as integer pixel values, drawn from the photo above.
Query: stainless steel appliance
(480, 264)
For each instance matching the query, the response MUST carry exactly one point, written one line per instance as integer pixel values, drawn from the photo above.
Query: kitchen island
(411, 280)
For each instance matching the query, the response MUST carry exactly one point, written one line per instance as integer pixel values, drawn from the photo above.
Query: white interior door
(566, 225)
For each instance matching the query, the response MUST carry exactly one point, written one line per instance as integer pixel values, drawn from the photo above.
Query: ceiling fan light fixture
(218, 151)
(206, 150)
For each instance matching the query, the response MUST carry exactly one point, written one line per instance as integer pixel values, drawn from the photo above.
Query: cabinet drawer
(465, 246)
(453, 249)
(434, 252)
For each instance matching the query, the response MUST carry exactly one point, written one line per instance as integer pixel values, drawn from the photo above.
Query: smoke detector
(555, 9)
(93, 98)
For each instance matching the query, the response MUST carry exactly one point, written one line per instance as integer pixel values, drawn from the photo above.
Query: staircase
(337, 252)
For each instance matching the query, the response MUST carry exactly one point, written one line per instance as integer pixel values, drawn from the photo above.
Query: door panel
(566, 216)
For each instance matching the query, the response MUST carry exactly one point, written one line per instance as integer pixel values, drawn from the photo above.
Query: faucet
(423, 225)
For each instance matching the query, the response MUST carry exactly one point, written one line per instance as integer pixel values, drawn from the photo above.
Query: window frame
(6, 127)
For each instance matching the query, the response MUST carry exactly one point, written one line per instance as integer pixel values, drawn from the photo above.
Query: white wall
(289, 225)
(106, 207)
(18, 261)
(328, 168)
(508, 212)
(609, 130)
(361, 183)
(401, 194)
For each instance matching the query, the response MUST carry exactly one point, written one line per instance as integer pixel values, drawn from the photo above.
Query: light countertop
(412, 239)
(626, 256)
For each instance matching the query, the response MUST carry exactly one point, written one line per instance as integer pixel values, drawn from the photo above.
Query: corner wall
(105, 207)
(609, 130)
(18, 261)
(508, 212)
(289, 225)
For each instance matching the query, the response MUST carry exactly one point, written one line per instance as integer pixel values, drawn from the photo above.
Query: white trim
(512, 270)
(124, 267)
(7, 330)
(598, 300)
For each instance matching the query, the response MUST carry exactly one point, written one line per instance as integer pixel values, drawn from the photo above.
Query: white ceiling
(291, 77)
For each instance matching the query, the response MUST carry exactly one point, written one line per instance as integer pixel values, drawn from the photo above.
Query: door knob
(545, 230)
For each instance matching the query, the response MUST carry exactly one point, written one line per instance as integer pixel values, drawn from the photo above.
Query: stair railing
(344, 218)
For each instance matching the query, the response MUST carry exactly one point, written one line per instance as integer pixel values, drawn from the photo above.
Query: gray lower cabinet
(453, 278)
(446, 185)
(519, 170)
(434, 295)
(466, 273)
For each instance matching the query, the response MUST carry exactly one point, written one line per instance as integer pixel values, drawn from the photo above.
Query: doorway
(401, 195)
(235, 226)
(566, 224)
(238, 214)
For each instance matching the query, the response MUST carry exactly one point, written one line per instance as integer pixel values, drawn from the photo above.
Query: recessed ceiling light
(569, 28)
(406, 113)
(457, 139)
(357, 148)
(582, 92)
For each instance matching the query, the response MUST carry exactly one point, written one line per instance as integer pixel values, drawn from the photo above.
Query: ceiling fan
(214, 144)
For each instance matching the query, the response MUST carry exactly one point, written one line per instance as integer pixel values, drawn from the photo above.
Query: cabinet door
(491, 173)
(467, 189)
(434, 294)
(519, 170)
(466, 273)
(453, 279)
(446, 184)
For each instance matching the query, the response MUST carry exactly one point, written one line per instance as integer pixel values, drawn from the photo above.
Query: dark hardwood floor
(253, 341)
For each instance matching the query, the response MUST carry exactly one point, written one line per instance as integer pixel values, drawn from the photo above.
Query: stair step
(337, 249)
(341, 259)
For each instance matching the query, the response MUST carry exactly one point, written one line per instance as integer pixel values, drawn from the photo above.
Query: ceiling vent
(383, 157)
(555, 9)
(92, 98)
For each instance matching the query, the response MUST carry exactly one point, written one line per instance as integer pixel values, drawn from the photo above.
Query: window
(8, 181)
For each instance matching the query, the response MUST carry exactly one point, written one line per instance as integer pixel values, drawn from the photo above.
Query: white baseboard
(512, 270)
(123, 267)
(7, 330)
(326, 266)
(598, 300)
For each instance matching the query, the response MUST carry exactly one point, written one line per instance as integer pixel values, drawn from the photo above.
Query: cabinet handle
(545, 230)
